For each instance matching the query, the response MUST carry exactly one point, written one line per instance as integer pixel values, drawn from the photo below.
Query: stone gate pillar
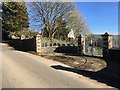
(81, 44)
(107, 44)
(38, 43)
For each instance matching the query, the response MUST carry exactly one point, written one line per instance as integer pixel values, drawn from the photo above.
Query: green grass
(61, 42)
(97, 52)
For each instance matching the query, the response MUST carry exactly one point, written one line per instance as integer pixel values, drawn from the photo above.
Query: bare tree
(77, 23)
(55, 16)
(51, 14)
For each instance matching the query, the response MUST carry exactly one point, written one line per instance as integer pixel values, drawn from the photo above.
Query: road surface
(25, 70)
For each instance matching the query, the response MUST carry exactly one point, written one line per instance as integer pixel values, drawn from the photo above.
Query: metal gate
(93, 45)
(115, 41)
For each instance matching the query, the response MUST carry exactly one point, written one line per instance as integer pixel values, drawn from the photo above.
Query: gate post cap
(106, 34)
(80, 35)
(38, 35)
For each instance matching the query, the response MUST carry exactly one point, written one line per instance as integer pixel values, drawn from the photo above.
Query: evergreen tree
(14, 17)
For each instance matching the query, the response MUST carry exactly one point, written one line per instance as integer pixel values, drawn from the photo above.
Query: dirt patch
(78, 62)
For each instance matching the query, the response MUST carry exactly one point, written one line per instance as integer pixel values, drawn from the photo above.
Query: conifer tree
(14, 17)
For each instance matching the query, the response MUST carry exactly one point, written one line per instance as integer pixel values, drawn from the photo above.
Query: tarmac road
(24, 70)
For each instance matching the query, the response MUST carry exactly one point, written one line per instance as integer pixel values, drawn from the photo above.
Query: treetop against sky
(100, 16)
(62, 0)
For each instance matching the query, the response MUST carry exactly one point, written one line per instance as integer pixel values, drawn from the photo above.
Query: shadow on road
(99, 76)
(108, 75)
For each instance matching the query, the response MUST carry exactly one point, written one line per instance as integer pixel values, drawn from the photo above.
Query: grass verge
(77, 62)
